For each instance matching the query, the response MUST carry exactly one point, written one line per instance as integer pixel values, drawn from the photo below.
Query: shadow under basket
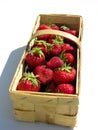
(54, 108)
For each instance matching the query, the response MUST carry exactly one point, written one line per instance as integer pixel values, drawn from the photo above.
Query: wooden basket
(54, 108)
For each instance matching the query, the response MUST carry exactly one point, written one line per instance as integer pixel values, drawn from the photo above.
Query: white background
(17, 18)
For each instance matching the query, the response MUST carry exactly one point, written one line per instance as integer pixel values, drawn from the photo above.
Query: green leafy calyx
(30, 76)
(63, 57)
(58, 40)
(40, 42)
(37, 51)
(64, 27)
(65, 67)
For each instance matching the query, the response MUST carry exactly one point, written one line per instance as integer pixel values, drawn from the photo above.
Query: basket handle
(57, 32)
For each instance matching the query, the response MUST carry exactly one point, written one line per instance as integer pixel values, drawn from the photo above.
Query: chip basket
(54, 108)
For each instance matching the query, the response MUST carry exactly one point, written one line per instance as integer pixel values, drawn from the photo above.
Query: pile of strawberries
(50, 63)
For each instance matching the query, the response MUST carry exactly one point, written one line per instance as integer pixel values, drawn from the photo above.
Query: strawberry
(56, 40)
(51, 87)
(55, 27)
(50, 40)
(41, 44)
(65, 74)
(67, 48)
(65, 88)
(68, 30)
(29, 82)
(45, 74)
(54, 62)
(73, 32)
(35, 57)
(56, 50)
(43, 27)
(67, 57)
(55, 47)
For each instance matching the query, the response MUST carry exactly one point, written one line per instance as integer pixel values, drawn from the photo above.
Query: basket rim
(42, 93)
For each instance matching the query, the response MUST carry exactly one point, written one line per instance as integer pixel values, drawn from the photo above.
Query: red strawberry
(56, 40)
(69, 58)
(54, 62)
(51, 87)
(45, 74)
(50, 40)
(67, 48)
(66, 29)
(65, 74)
(56, 50)
(29, 82)
(35, 57)
(41, 44)
(55, 27)
(73, 32)
(43, 27)
(65, 88)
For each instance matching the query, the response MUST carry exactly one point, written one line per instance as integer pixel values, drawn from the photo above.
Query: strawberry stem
(64, 27)
(63, 57)
(39, 42)
(58, 40)
(32, 77)
(65, 67)
(37, 51)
